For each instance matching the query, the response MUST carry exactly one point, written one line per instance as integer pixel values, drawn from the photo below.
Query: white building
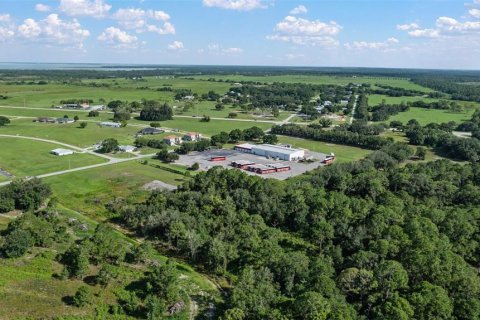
(126, 148)
(110, 124)
(62, 152)
(272, 151)
(192, 136)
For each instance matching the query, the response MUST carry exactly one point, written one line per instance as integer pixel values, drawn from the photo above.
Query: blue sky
(364, 33)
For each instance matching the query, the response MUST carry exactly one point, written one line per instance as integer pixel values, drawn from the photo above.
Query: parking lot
(297, 168)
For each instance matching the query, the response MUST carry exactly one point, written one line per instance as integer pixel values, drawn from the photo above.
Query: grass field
(426, 116)
(395, 82)
(88, 191)
(70, 133)
(22, 157)
(342, 153)
(119, 89)
(212, 127)
(375, 99)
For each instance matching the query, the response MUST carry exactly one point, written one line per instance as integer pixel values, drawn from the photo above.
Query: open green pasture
(89, 190)
(22, 157)
(212, 127)
(118, 89)
(375, 99)
(340, 80)
(342, 153)
(426, 116)
(70, 133)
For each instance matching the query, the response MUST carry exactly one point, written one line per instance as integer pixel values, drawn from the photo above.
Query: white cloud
(233, 50)
(294, 56)
(387, 45)
(175, 45)
(240, 5)
(447, 24)
(299, 10)
(424, 33)
(7, 28)
(306, 32)
(54, 31)
(40, 7)
(408, 26)
(475, 12)
(118, 38)
(216, 49)
(90, 8)
(145, 20)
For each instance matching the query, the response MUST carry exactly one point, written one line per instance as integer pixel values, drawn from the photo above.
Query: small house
(126, 148)
(192, 136)
(172, 140)
(61, 152)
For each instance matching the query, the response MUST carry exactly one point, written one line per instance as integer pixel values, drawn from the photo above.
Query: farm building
(150, 130)
(242, 164)
(261, 169)
(272, 151)
(62, 152)
(44, 120)
(172, 140)
(126, 148)
(64, 120)
(192, 136)
(279, 167)
(110, 124)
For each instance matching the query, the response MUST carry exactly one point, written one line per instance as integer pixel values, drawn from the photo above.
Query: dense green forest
(344, 242)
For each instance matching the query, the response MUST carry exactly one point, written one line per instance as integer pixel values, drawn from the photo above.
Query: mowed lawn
(426, 116)
(88, 191)
(22, 157)
(70, 133)
(213, 127)
(342, 153)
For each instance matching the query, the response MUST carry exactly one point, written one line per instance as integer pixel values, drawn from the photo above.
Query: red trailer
(218, 158)
(328, 160)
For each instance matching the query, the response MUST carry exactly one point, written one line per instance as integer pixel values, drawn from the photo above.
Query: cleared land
(342, 153)
(395, 82)
(30, 158)
(88, 191)
(426, 116)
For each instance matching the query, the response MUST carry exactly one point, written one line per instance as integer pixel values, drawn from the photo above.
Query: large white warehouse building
(272, 151)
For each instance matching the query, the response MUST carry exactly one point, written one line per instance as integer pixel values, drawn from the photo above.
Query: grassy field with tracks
(342, 153)
(22, 157)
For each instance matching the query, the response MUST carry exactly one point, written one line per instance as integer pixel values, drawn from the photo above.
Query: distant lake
(78, 66)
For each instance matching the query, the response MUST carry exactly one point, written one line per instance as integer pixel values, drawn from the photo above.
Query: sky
(435, 34)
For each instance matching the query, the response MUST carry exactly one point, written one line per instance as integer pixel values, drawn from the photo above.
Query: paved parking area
(297, 168)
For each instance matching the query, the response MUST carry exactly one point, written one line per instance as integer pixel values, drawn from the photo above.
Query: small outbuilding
(149, 131)
(172, 140)
(192, 136)
(110, 124)
(62, 152)
(126, 148)
(64, 120)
